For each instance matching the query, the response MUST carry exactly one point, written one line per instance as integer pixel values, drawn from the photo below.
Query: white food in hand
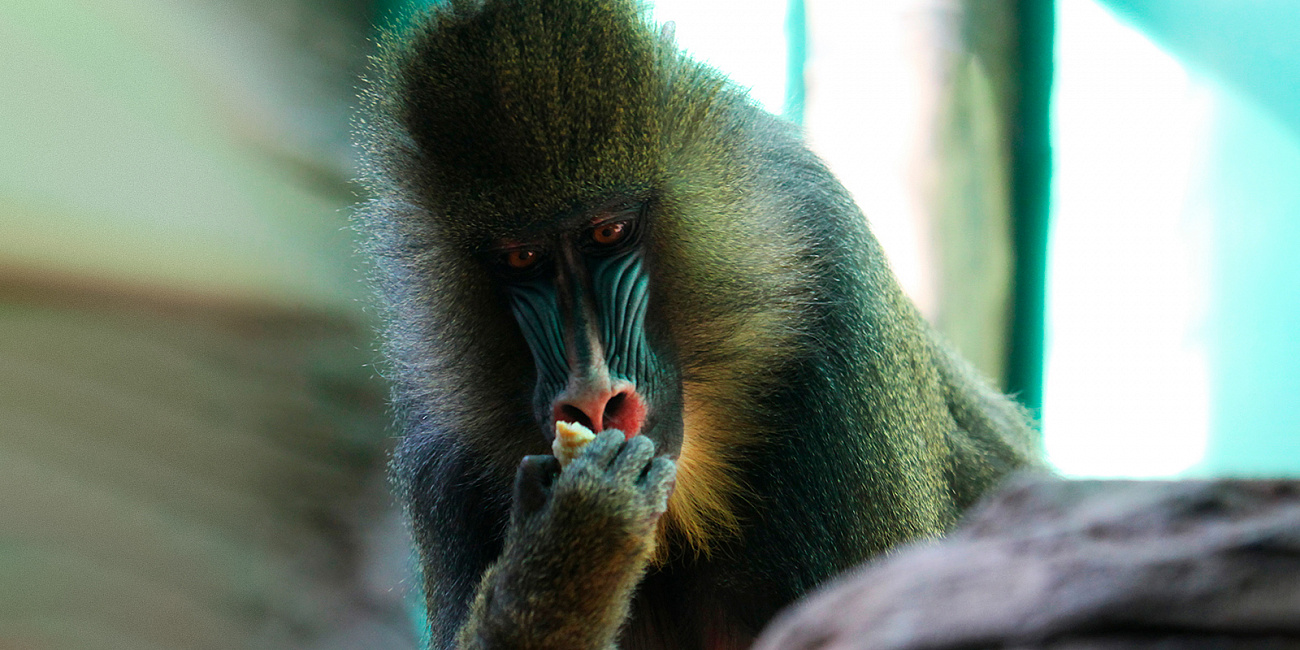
(570, 438)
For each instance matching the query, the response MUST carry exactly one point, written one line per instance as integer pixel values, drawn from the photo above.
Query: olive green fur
(843, 425)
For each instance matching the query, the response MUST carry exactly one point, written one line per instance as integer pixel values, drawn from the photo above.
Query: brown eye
(609, 233)
(521, 258)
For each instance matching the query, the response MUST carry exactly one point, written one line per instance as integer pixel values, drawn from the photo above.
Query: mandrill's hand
(578, 543)
(615, 486)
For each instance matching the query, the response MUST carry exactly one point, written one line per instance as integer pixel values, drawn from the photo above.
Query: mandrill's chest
(672, 611)
(667, 634)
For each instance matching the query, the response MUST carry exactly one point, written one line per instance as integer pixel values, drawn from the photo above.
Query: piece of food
(570, 438)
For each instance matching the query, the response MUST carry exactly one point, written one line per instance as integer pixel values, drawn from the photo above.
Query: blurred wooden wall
(192, 437)
(970, 182)
(919, 107)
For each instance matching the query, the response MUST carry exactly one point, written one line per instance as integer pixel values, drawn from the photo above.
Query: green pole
(796, 35)
(1031, 172)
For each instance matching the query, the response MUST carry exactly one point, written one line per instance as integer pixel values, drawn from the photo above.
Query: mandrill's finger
(602, 451)
(533, 482)
(631, 461)
(660, 480)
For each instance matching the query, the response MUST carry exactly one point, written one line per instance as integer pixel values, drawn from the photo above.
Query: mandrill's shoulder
(994, 435)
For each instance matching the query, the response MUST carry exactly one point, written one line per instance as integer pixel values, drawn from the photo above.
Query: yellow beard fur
(700, 510)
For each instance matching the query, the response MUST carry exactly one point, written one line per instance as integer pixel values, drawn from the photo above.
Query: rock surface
(1047, 563)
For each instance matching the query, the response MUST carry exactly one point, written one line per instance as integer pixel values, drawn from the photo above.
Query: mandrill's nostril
(614, 404)
(601, 410)
(571, 413)
(615, 416)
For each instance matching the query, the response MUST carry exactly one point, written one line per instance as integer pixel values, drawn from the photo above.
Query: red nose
(599, 410)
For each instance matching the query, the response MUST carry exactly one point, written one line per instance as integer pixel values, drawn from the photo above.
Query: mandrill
(574, 223)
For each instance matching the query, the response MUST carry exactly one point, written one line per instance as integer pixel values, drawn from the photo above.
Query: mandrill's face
(580, 290)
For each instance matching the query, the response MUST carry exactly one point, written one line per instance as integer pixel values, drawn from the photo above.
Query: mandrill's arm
(577, 545)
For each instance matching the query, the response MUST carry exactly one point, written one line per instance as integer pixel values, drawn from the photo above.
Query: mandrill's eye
(520, 259)
(614, 230)
(608, 234)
